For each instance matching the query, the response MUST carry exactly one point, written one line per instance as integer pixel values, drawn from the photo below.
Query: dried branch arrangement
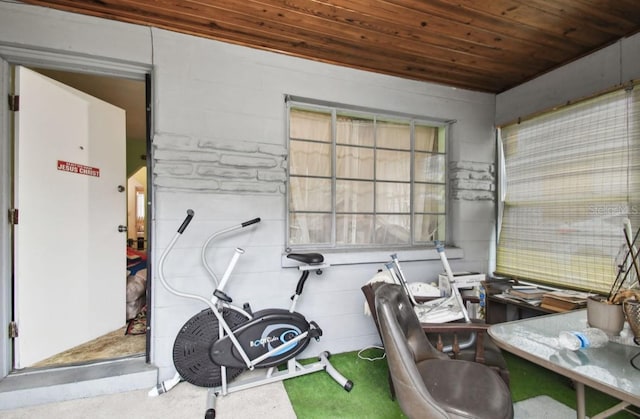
(628, 271)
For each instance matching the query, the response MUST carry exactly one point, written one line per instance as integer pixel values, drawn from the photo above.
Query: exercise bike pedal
(315, 331)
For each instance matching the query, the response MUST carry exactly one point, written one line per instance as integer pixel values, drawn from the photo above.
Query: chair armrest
(454, 328)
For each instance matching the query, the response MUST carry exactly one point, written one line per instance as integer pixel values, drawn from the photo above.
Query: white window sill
(344, 257)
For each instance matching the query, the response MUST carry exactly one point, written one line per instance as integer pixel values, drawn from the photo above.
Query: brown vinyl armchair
(427, 382)
(449, 335)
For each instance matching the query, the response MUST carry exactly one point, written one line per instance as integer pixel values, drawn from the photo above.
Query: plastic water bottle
(587, 338)
(482, 297)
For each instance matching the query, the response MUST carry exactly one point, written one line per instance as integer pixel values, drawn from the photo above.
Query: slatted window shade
(572, 177)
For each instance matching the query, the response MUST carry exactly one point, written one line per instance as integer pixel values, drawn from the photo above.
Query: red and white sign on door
(80, 169)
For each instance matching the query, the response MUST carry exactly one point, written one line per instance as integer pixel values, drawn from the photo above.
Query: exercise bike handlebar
(164, 255)
(248, 223)
(203, 254)
(186, 221)
(181, 229)
(191, 213)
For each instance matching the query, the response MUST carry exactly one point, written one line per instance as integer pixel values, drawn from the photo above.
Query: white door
(70, 258)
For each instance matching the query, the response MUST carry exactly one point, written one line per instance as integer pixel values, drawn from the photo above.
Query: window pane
(393, 197)
(371, 195)
(393, 135)
(309, 194)
(429, 227)
(354, 131)
(393, 229)
(429, 198)
(429, 167)
(393, 165)
(354, 162)
(309, 159)
(354, 229)
(426, 139)
(354, 196)
(309, 229)
(309, 125)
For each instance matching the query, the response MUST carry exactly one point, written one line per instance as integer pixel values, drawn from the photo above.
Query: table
(606, 369)
(500, 310)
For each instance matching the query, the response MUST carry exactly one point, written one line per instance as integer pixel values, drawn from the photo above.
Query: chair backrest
(399, 314)
(369, 292)
(406, 344)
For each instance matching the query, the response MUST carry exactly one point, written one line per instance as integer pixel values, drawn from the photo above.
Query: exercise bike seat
(308, 258)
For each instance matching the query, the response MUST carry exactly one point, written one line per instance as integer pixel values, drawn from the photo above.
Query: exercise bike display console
(220, 342)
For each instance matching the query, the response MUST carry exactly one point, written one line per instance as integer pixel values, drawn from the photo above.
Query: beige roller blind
(572, 177)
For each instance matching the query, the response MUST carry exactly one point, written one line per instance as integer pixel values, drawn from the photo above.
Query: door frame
(9, 56)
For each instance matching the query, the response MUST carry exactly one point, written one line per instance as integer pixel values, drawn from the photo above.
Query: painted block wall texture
(472, 181)
(225, 167)
(220, 146)
(221, 130)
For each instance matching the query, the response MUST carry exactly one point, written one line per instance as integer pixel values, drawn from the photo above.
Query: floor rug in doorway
(137, 325)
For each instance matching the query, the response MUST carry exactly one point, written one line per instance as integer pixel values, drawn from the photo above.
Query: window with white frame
(363, 179)
(572, 179)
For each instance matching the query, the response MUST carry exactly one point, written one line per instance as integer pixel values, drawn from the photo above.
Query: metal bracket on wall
(13, 216)
(14, 103)
(13, 330)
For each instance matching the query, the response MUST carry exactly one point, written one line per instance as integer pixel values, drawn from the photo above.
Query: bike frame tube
(234, 340)
(223, 327)
(283, 347)
(224, 330)
(206, 244)
(169, 287)
(232, 265)
(294, 301)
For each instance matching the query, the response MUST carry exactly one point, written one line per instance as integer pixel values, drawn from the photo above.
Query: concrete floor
(184, 401)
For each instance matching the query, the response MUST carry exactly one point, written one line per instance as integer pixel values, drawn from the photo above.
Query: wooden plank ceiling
(484, 45)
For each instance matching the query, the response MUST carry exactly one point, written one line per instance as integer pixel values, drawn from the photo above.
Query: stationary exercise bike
(222, 341)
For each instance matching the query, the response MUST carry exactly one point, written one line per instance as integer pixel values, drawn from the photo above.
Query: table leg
(580, 404)
(611, 411)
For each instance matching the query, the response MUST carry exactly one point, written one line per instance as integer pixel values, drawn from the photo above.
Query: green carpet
(318, 396)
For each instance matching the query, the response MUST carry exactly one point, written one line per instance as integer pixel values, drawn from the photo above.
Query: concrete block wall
(219, 147)
(472, 206)
(472, 181)
(221, 143)
(225, 167)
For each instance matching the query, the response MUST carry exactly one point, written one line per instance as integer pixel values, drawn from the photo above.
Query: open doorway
(130, 337)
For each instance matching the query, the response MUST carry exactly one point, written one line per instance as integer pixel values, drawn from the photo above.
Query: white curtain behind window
(310, 177)
(378, 184)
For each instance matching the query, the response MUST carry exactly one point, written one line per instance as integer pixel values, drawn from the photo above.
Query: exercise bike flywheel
(191, 349)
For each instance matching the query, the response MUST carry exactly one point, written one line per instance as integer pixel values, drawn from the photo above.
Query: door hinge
(13, 216)
(13, 330)
(14, 103)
